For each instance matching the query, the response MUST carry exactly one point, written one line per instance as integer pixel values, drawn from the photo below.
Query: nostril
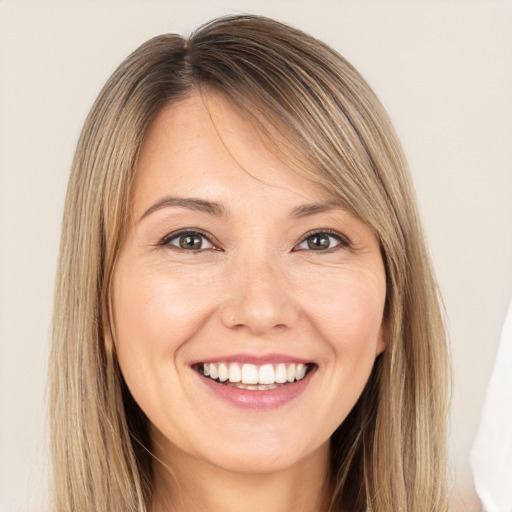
(257, 316)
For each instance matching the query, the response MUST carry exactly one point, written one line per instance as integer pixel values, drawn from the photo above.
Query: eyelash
(166, 241)
(342, 240)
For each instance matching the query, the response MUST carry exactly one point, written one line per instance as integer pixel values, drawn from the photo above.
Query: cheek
(349, 321)
(348, 312)
(157, 312)
(154, 317)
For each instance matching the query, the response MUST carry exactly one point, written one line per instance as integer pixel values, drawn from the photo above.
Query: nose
(260, 299)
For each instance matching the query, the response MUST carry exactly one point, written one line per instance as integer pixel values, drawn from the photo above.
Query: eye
(188, 241)
(322, 241)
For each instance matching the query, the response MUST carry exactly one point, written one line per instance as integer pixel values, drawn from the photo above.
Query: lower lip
(257, 399)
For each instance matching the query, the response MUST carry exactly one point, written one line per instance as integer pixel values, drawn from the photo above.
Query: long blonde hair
(389, 454)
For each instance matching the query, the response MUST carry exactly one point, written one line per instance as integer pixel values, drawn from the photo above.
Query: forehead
(205, 146)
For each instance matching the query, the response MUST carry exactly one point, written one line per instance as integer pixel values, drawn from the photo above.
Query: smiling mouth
(254, 377)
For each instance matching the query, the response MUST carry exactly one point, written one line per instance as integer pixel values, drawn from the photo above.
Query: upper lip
(256, 359)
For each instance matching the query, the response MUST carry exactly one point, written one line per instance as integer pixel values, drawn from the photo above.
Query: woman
(246, 317)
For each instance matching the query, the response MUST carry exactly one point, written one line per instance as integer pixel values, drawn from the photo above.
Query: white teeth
(253, 387)
(250, 376)
(265, 387)
(291, 373)
(223, 372)
(266, 374)
(214, 373)
(281, 374)
(300, 371)
(235, 375)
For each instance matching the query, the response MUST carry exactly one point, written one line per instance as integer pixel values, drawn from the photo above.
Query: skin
(255, 287)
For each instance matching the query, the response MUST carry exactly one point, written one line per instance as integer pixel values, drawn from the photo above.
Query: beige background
(442, 69)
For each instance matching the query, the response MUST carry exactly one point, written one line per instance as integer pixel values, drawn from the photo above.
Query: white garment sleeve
(491, 454)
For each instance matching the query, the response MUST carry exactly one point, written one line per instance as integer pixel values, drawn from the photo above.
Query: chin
(266, 451)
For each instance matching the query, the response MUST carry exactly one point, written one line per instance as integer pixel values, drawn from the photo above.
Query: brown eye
(192, 242)
(318, 242)
(323, 241)
(189, 241)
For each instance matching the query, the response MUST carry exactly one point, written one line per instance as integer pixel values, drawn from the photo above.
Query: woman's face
(236, 266)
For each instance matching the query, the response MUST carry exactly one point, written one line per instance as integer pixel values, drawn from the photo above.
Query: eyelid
(343, 240)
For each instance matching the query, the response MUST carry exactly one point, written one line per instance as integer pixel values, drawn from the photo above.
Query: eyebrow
(216, 209)
(312, 209)
(201, 205)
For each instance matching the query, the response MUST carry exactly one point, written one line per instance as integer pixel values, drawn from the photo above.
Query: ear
(108, 338)
(382, 341)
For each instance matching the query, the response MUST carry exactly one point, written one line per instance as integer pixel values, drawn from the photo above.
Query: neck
(194, 484)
